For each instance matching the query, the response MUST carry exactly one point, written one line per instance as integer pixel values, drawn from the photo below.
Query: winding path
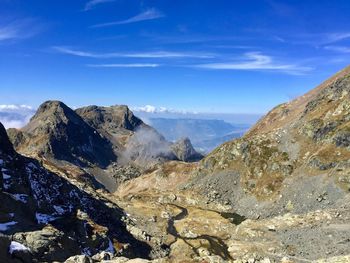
(217, 245)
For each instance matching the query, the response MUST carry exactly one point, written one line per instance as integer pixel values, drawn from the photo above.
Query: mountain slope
(53, 218)
(294, 156)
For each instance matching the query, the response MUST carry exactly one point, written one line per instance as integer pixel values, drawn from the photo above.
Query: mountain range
(97, 184)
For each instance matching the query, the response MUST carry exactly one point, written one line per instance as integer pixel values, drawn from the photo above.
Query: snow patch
(59, 209)
(86, 251)
(6, 176)
(110, 247)
(31, 166)
(15, 246)
(44, 218)
(1, 161)
(6, 226)
(20, 197)
(6, 186)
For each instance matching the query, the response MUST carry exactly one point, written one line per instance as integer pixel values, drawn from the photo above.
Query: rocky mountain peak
(55, 111)
(52, 105)
(184, 150)
(110, 118)
(56, 131)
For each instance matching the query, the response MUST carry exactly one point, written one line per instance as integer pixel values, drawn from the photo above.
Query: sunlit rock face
(296, 153)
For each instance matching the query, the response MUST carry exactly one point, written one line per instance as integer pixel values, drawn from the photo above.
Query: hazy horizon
(16, 116)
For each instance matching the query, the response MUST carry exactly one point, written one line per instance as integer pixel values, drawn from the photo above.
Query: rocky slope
(46, 218)
(296, 158)
(284, 187)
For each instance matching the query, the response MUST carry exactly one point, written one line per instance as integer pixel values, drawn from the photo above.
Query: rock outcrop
(184, 151)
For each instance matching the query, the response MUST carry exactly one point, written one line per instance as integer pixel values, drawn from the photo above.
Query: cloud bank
(154, 109)
(15, 116)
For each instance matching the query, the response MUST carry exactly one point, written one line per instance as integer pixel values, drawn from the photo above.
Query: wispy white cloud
(152, 54)
(132, 65)
(92, 3)
(79, 53)
(18, 29)
(149, 14)
(190, 38)
(341, 49)
(169, 54)
(335, 37)
(257, 61)
(317, 39)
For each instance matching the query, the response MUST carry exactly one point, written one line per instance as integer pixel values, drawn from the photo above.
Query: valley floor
(190, 230)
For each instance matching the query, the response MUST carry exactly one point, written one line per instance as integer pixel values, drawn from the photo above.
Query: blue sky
(195, 55)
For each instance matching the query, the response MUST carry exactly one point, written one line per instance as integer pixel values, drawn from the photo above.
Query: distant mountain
(205, 134)
(133, 139)
(210, 144)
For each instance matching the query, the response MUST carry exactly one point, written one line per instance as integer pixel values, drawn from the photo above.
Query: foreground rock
(44, 217)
